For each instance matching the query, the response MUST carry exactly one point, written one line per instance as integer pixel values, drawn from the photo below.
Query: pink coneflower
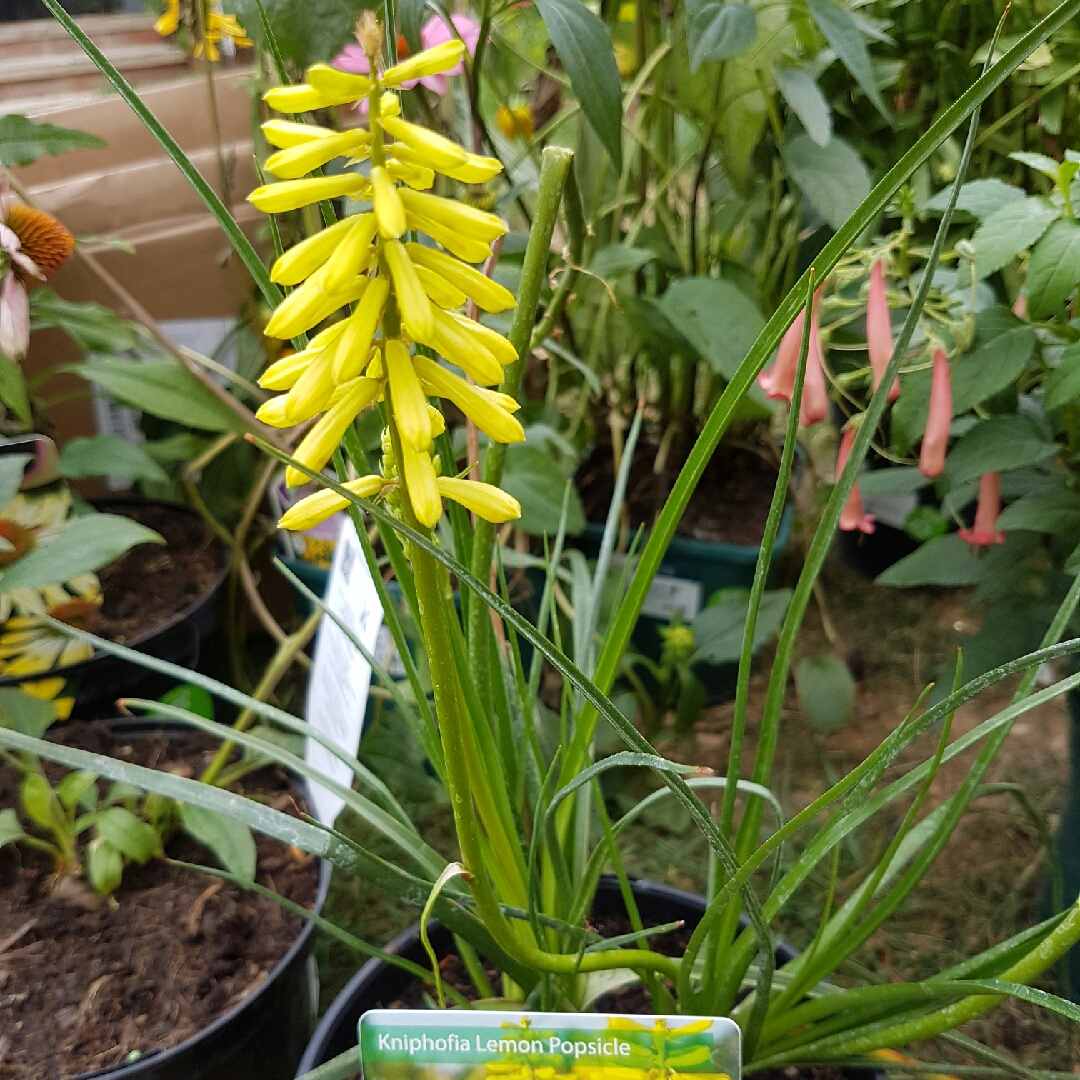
(879, 339)
(852, 517)
(986, 513)
(938, 421)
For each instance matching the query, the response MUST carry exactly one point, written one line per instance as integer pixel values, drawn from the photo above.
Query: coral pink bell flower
(938, 421)
(434, 32)
(879, 339)
(852, 517)
(986, 513)
(779, 381)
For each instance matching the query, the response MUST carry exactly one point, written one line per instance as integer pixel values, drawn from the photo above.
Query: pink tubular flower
(14, 317)
(852, 517)
(879, 339)
(1019, 309)
(779, 381)
(815, 396)
(986, 513)
(938, 421)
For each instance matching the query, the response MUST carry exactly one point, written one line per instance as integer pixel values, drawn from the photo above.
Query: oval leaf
(945, 560)
(826, 691)
(130, 835)
(1010, 230)
(843, 34)
(718, 31)
(998, 445)
(22, 141)
(109, 455)
(832, 177)
(1054, 269)
(807, 102)
(230, 840)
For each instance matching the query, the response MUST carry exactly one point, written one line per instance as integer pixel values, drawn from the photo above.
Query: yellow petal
(315, 509)
(283, 373)
(484, 500)
(299, 311)
(352, 353)
(409, 403)
(432, 150)
(494, 342)
(431, 61)
(464, 247)
(422, 484)
(320, 442)
(476, 170)
(478, 287)
(388, 209)
(439, 289)
(337, 87)
(300, 98)
(353, 254)
(504, 401)
(349, 295)
(312, 391)
(416, 311)
(296, 161)
(287, 133)
(472, 357)
(302, 260)
(292, 194)
(436, 420)
(376, 369)
(272, 412)
(462, 218)
(474, 401)
(416, 176)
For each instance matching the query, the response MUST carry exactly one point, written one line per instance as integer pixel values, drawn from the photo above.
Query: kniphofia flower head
(402, 292)
(986, 513)
(852, 517)
(938, 420)
(879, 339)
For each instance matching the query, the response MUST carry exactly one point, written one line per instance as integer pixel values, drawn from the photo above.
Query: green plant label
(410, 1044)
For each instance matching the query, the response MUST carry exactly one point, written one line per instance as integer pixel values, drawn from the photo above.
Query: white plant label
(668, 596)
(340, 677)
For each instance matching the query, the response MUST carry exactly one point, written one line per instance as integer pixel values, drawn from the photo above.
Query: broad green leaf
(181, 447)
(616, 260)
(806, 101)
(926, 522)
(13, 390)
(979, 198)
(1053, 510)
(537, 482)
(719, 627)
(25, 713)
(109, 455)
(826, 691)
(997, 445)
(718, 31)
(12, 467)
(38, 800)
(902, 480)
(307, 32)
(1054, 269)
(716, 317)
(10, 829)
(86, 544)
(162, 388)
(92, 327)
(410, 15)
(104, 866)
(130, 835)
(1039, 162)
(192, 698)
(987, 371)
(584, 46)
(842, 32)
(945, 560)
(230, 840)
(75, 786)
(23, 141)
(1009, 231)
(1063, 385)
(833, 177)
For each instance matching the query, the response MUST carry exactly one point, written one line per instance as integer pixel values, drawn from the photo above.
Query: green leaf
(617, 260)
(192, 698)
(832, 177)
(1054, 269)
(130, 835)
(719, 627)
(86, 544)
(25, 713)
(1063, 384)
(162, 388)
(38, 800)
(842, 32)
(584, 46)
(979, 198)
(12, 467)
(1039, 162)
(925, 522)
(1053, 510)
(901, 480)
(537, 482)
(807, 102)
(92, 327)
(109, 455)
(826, 691)
(23, 141)
(10, 829)
(716, 317)
(75, 786)
(945, 560)
(104, 866)
(13, 390)
(1008, 231)
(181, 447)
(306, 32)
(988, 370)
(230, 840)
(410, 15)
(997, 445)
(717, 30)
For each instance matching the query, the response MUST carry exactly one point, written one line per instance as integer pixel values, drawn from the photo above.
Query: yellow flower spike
(484, 500)
(476, 170)
(272, 412)
(292, 194)
(489, 415)
(285, 134)
(478, 287)
(473, 358)
(494, 342)
(352, 255)
(439, 289)
(432, 150)
(300, 98)
(418, 177)
(472, 251)
(461, 218)
(312, 391)
(437, 421)
(360, 327)
(297, 161)
(417, 314)
(337, 87)
(305, 258)
(423, 485)
(433, 61)
(320, 442)
(409, 403)
(315, 509)
(388, 208)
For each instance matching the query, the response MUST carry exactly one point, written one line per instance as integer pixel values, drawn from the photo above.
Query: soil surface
(151, 583)
(730, 504)
(83, 985)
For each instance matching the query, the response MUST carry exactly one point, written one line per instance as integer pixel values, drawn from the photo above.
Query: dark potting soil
(85, 985)
(151, 583)
(730, 504)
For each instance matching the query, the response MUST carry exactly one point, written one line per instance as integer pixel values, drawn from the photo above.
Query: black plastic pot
(377, 984)
(261, 1038)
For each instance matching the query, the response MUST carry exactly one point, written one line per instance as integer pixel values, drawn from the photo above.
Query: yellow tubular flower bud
(416, 310)
(306, 257)
(283, 373)
(472, 251)
(432, 150)
(389, 105)
(297, 161)
(320, 442)
(288, 133)
(439, 289)
(338, 87)
(437, 421)
(312, 391)
(272, 412)
(478, 287)
(352, 353)
(476, 170)
(504, 401)
(294, 99)
(376, 369)
(423, 485)
(388, 209)
(463, 219)
(432, 61)
(469, 355)
(417, 177)
(315, 509)
(349, 295)
(409, 403)
(292, 194)
(474, 401)
(484, 500)
(299, 311)
(352, 255)
(495, 343)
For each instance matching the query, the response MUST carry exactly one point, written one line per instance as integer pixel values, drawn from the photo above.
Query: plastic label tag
(669, 596)
(423, 1044)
